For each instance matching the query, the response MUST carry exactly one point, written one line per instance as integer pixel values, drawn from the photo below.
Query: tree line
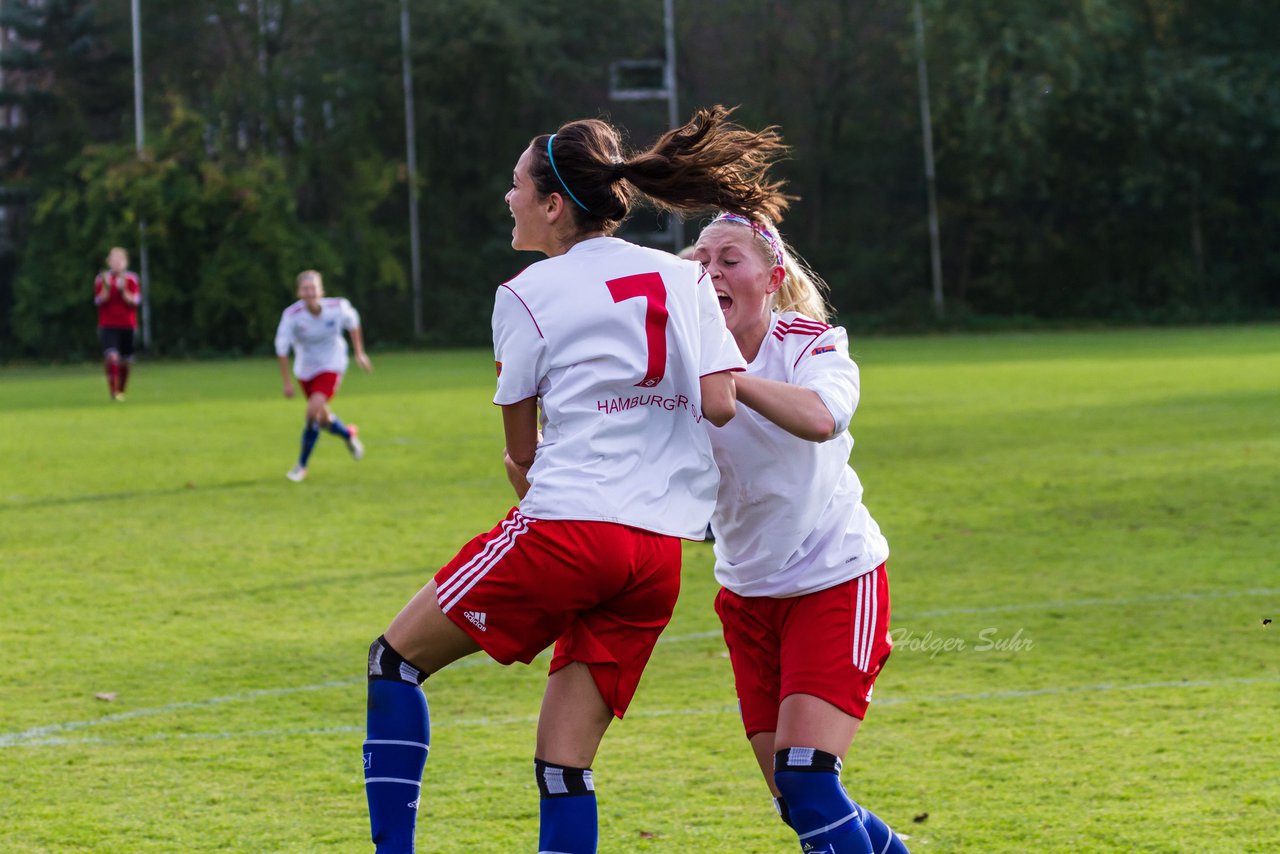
(1097, 160)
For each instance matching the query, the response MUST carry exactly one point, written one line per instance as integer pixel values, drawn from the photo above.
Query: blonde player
(312, 327)
(805, 598)
(117, 294)
(620, 354)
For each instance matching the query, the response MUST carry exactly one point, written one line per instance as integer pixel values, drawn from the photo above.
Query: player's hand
(362, 359)
(517, 474)
(288, 390)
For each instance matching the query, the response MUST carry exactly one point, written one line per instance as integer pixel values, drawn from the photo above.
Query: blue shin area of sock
(310, 434)
(883, 839)
(821, 813)
(337, 428)
(569, 825)
(395, 752)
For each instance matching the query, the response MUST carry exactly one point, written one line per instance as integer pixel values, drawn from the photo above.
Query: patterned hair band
(769, 237)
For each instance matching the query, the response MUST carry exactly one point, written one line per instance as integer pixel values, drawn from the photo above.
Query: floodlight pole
(926, 121)
(673, 108)
(411, 146)
(138, 140)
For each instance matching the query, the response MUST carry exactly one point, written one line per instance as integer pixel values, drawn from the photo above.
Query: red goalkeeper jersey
(109, 291)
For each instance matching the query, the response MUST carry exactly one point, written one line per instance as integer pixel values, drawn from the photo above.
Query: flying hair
(707, 164)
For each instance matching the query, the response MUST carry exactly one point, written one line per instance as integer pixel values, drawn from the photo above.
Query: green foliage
(1100, 159)
(223, 237)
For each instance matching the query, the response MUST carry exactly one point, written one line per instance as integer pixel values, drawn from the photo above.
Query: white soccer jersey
(317, 342)
(789, 519)
(613, 338)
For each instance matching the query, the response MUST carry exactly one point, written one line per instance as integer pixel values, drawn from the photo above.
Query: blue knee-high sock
(824, 818)
(568, 809)
(883, 839)
(309, 435)
(395, 751)
(337, 428)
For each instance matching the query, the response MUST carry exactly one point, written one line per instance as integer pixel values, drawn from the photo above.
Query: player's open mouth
(726, 301)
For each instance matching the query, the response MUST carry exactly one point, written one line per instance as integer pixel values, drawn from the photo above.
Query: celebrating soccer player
(116, 293)
(625, 353)
(313, 328)
(805, 598)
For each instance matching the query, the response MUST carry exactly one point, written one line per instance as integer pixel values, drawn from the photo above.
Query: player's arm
(357, 342)
(520, 424)
(719, 397)
(798, 410)
(819, 400)
(285, 376)
(131, 291)
(101, 290)
(283, 342)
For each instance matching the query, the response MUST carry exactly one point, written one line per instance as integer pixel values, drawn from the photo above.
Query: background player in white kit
(624, 352)
(805, 598)
(312, 327)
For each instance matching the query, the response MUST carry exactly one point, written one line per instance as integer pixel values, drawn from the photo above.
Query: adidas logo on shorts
(476, 619)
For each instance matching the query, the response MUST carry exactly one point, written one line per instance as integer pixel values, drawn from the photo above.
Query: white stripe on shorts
(475, 569)
(864, 620)
(857, 620)
(873, 617)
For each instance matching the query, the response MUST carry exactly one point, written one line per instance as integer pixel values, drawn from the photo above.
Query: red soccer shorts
(830, 644)
(601, 592)
(326, 383)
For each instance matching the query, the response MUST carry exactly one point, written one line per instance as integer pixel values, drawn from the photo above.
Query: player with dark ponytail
(619, 354)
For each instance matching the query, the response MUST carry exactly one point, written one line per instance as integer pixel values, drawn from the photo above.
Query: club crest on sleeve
(498, 367)
(818, 351)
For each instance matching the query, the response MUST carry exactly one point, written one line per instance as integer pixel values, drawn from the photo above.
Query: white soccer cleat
(297, 474)
(354, 445)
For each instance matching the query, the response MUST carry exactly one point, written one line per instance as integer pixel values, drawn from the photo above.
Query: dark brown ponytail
(708, 164)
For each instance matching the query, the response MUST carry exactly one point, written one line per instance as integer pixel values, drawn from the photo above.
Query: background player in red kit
(805, 604)
(620, 353)
(117, 293)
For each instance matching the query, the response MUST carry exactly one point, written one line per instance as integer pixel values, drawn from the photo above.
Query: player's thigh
(752, 632)
(109, 338)
(834, 644)
(573, 719)
(615, 636)
(808, 721)
(425, 637)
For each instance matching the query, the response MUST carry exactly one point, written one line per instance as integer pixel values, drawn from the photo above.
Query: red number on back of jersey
(651, 287)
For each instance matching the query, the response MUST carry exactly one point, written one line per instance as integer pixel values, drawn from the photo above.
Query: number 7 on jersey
(651, 287)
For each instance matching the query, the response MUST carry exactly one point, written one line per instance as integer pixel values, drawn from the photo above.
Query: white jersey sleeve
(350, 317)
(519, 348)
(284, 334)
(719, 350)
(826, 368)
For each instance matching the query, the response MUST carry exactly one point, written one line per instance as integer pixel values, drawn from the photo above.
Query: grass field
(1086, 542)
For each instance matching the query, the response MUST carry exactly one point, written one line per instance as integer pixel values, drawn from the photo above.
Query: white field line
(528, 720)
(40, 734)
(1094, 603)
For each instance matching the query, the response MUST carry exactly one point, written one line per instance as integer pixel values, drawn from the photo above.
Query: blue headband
(561, 180)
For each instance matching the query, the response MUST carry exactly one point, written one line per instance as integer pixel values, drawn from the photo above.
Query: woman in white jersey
(619, 354)
(312, 327)
(805, 598)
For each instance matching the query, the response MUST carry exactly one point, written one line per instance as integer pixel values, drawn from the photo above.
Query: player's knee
(562, 781)
(112, 356)
(386, 663)
(809, 781)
